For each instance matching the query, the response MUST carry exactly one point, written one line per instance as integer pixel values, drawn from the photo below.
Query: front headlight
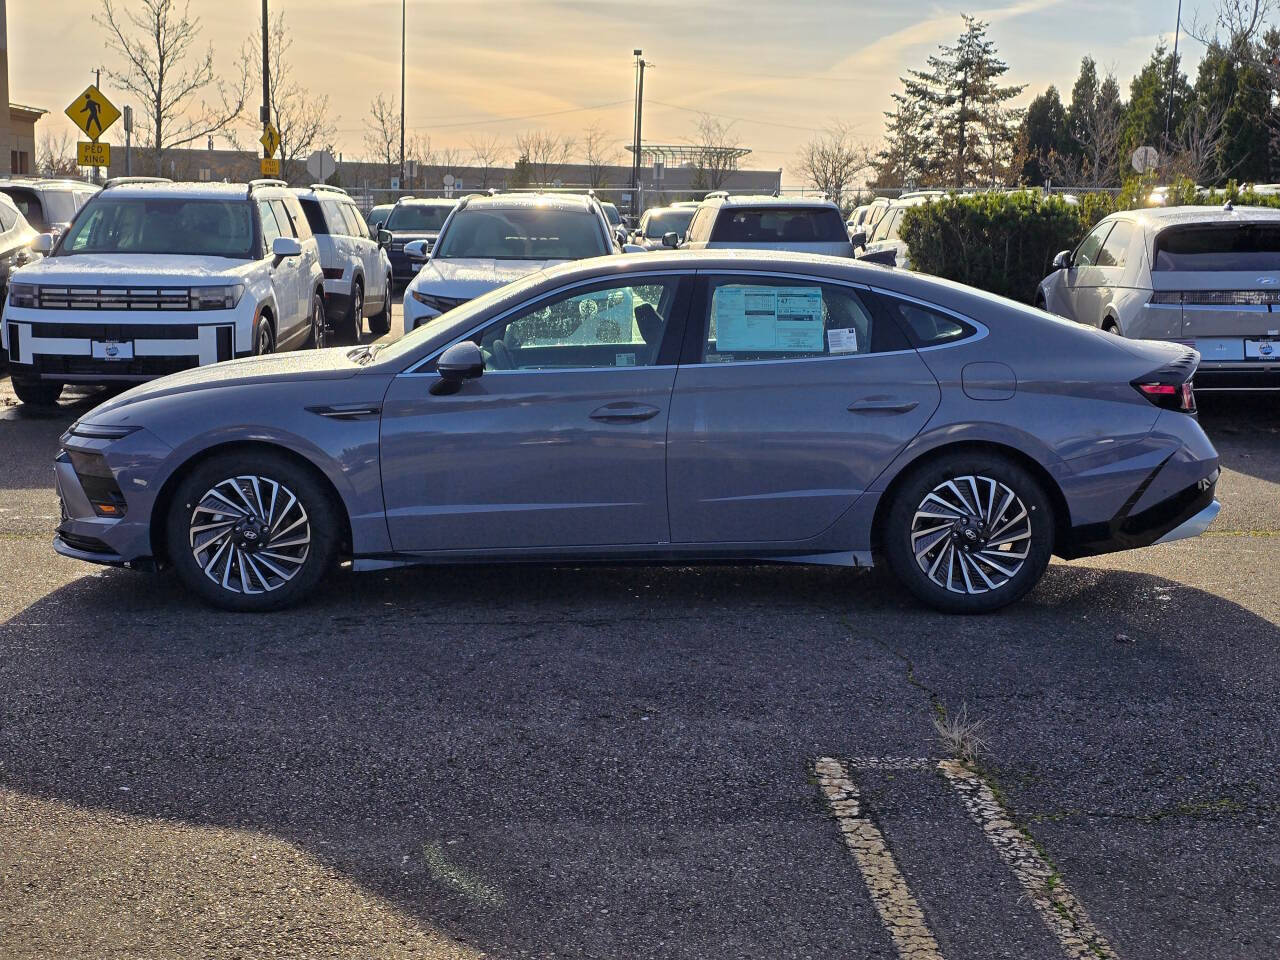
(100, 431)
(22, 295)
(216, 298)
(439, 304)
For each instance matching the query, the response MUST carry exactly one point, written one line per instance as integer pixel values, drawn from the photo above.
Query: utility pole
(128, 140)
(1173, 72)
(266, 79)
(402, 94)
(635, 146)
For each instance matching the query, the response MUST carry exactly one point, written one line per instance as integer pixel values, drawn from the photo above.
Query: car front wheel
(37, 393)
(969, 532)
(251, 531)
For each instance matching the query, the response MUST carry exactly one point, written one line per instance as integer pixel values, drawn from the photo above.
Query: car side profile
(798, 225)
(357, 272)
(672, 408)
(151, 278)
(1204, 277)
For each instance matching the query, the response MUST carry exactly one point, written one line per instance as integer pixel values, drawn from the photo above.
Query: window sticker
(842, 341)
(768, 319)
(624, 360)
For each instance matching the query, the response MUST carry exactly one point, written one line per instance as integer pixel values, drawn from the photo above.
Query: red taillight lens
(1170, 396)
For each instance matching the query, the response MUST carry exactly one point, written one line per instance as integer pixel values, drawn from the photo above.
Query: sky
(778, 72)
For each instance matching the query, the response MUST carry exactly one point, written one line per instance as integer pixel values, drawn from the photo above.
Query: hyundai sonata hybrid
(672, 408)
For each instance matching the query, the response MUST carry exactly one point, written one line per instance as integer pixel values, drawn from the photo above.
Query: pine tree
(972, 131)
(900, 163)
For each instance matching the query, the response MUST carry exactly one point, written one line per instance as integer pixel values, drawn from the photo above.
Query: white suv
(488, 241)
(357, 273)
(151, 278)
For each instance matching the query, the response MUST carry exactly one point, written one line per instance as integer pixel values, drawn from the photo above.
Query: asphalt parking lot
(636, 762)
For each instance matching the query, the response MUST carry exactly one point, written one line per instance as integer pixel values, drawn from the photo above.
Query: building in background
(17, 122)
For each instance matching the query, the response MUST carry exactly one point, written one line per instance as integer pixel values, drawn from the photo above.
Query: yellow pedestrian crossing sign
(270, 139)
(92, 112)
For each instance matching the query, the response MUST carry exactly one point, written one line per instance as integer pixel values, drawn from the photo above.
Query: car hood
(331, 364)
(132, 269)
(470, 278)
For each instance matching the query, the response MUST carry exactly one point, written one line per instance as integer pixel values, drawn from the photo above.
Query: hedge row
(1005, 242)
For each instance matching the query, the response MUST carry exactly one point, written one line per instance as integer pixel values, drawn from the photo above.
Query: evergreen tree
(1236, 90)
(900, 163)
(1047, 134)
(971, 131)
(1149, 107)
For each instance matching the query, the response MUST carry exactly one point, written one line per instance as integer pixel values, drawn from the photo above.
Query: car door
(793, 395)
(296, 271)
(1085, 278)
(560, 443)
(365, 250)
(282, 277)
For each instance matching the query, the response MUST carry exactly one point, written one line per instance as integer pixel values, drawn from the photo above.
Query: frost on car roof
(237, 191)
(1171, 216)
(549, 201)
(746, 200)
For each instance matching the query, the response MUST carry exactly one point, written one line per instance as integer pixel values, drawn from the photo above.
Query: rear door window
(270, 228)
(1252, 246)
(775, 224)
(1113, 252)
(754, 318)
(334, 218)
(356, 226)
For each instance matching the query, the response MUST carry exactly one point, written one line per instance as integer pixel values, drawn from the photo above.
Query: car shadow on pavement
(1245, 429)
(611, 758)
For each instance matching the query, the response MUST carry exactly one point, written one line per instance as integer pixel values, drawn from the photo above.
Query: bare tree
(717, 152)
(545, 152)
(1197, 148)
(302, 120)
(832, 160)
(382, 131)
(443, 161)
(600, 153)
(487, 153)
(56, 156)
(165, 71)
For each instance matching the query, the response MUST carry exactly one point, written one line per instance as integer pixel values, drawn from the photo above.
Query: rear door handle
(624, 412)
(889, 405)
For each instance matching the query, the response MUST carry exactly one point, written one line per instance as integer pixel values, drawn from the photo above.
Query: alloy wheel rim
(250, 534)
(264, 340)
(317, 324)
(971, 534)
(357, 307)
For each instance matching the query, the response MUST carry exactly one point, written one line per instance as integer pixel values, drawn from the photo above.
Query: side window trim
(424, 366)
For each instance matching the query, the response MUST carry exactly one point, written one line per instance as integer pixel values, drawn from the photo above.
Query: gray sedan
(672, 408)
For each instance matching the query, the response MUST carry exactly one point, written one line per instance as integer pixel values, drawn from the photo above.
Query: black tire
(318, 338)
(37, 393)
(380, 323)
(193, 505)
(354, 326)
(264, 338)
(981, 574)
(1110, 326)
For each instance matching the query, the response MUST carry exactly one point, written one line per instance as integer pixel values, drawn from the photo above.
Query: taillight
(1170, 396)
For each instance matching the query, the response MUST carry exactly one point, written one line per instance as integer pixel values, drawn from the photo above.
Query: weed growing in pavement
(961, 736)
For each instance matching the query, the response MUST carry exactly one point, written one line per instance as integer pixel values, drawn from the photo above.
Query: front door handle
(883, 405)
(624, 412)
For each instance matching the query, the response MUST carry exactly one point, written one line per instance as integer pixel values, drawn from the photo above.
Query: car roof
(225, 191)
(1160, 217)
(49, 183)
(423, 202)
(549, 201)
(767, 200)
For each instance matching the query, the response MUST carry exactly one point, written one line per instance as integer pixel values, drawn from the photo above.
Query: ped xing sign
(92, 112)
(90, 153)
(270, 168)
(270, 139)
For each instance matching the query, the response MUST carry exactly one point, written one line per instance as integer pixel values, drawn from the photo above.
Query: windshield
(1237, 247)
(780, 225)
(418, 216)
(668, 221)
(171, 225)
(524, 233)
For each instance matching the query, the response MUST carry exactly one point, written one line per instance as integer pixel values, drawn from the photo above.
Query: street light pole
(402, 23)
(1173, 72)
(635, 145)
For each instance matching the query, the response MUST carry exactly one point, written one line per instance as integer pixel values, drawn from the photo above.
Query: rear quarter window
(923, 325)
(773, 224)
(315, 218)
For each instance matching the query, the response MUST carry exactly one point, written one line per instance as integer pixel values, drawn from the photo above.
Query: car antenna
(1228, 206)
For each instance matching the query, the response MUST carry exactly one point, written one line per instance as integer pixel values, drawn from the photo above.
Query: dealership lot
(623, 761)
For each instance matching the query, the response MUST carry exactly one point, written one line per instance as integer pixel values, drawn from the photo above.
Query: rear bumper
(1186, 513)
(1237, 375)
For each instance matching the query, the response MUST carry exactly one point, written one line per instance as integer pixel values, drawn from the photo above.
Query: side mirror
(671, 239)
(417, 250)
(632, 248)
(858, 238)
(1063, 260)
(462, 361)
(384, 236)
(43, 243)
(282, 247)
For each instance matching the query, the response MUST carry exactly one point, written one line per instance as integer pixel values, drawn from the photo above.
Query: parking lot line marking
(893, 901)
(1057, 906)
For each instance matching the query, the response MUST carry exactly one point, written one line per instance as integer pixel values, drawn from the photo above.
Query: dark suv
(413, 219)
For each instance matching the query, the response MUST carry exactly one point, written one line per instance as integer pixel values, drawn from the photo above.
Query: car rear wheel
(969, 532)
(319, 322)
(37, 393)
(251, 532)
(355, 322)
(380, 323)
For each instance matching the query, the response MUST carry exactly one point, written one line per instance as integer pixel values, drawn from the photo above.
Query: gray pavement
(618, 762)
